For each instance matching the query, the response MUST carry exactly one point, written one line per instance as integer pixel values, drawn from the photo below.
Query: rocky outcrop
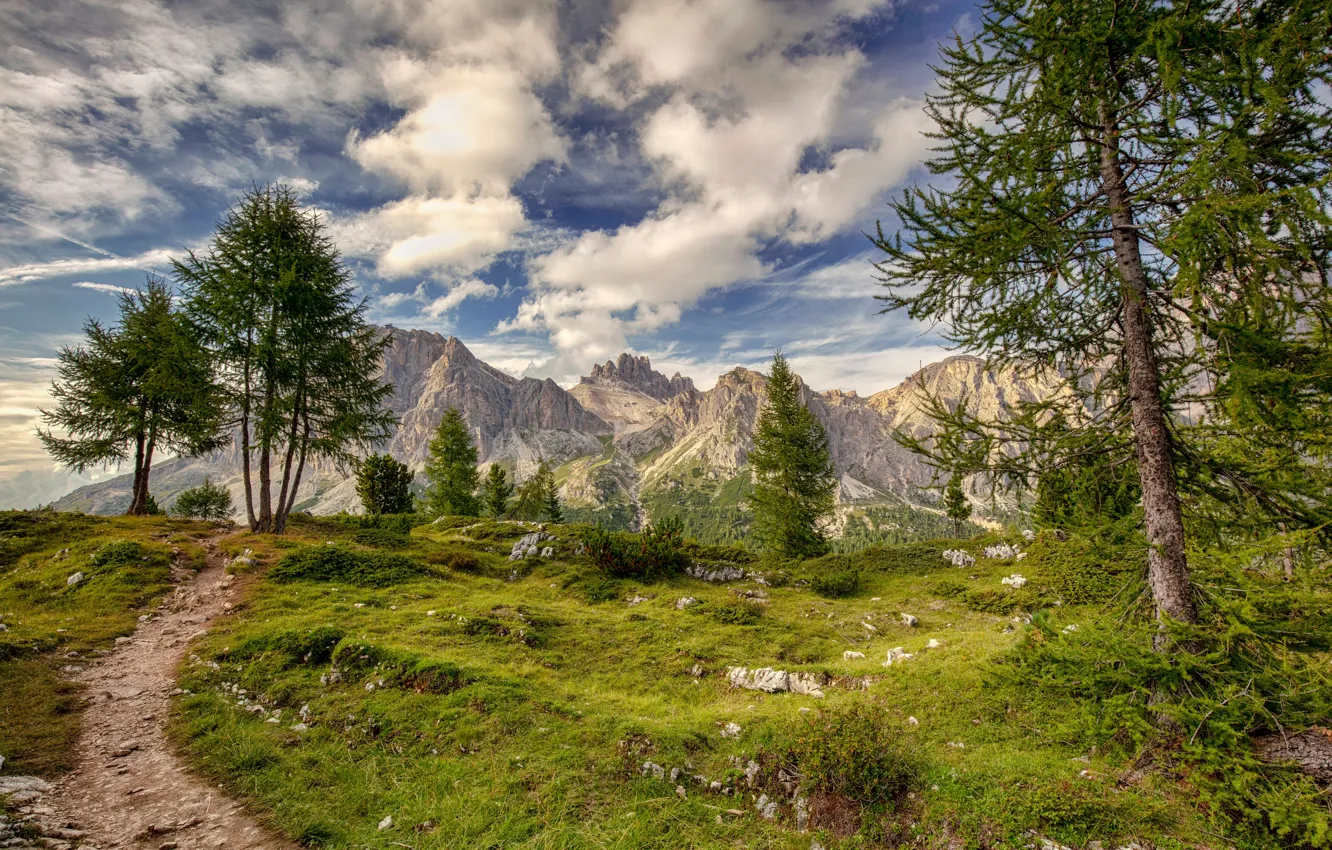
(664, 432)
(636, 373)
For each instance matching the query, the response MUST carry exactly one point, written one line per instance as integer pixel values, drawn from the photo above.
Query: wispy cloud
(154, 261)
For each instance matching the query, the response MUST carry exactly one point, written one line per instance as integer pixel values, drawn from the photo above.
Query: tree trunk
(147, 468)
(292, 439)
(245, 438)
(296, 482)
(135, 505)
(266, 437)
(1167, 565)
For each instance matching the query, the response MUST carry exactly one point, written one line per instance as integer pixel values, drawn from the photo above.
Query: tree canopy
(450, 469)
(145, 383)
(794, 484)
(1130, 188)
(275, 305)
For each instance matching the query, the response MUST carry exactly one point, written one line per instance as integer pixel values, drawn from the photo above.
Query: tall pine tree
(496, 492)
(276, 306)
(384, 484)
(1124, 180)
(450, 469)
(145, 383)
(956, 505)
(794, 485)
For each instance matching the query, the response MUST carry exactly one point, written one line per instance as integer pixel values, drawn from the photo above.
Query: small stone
(731, 730)
(910, 620)
(913, 721)
(430, 613)
(933, 644)
(74, 579)
(680, 791)
(684, 602)
(850, 655)
(386, 823)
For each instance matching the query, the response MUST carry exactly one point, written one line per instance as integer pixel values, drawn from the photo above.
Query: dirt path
(130, 789)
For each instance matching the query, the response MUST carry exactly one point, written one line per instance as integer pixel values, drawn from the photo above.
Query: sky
(552, 182)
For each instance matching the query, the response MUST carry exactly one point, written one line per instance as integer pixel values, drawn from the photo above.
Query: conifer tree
(146, 383)
(384, 484)
(450, 469)
(956, 505)
(553, 511)
(535, 495)
(794, 484)
(276, 306)
(208, 501)
(1125, 181)
(496, 491)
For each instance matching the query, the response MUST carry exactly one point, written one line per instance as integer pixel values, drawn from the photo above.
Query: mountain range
(628, 443)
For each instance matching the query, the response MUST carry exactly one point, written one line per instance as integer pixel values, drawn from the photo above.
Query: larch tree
(794, 485)
(146, 383)
(450, 469)
(384, 484)
(496, 491)
(956, 505)
(276, 306)
(1126, 184)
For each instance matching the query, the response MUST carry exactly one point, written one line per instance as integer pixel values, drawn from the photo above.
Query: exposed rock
(725, 574)
(958, 558)
(685, 602)
(731, 730)
(528, 546)
(895, 655)
(74, 579)
(1014, 580)
(386, 823)
(766, 808)
(636, 373)
(774, 681)
(851, 655)
(1004, 552)
(910, 620)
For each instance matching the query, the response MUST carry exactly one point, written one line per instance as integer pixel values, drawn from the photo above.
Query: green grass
(547, 699)
(51, 624)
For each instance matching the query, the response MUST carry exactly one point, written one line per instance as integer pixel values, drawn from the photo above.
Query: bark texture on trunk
(1167, 564)
(135, 505)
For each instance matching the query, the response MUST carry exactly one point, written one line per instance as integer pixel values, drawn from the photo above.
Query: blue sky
(553, 182)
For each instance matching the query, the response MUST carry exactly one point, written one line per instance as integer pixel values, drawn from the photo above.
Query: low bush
(836, 584)
(336, 563)
(459, 560)
(731, 553)
(854, 753)
(654, 553)
(309, 646)
(733, 612)
(395, 523)
(121, 553)
(208, 501)
(382, 538)
(1253, 666)
(398, 668)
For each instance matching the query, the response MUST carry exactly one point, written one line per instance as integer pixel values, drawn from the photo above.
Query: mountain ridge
(626, 437)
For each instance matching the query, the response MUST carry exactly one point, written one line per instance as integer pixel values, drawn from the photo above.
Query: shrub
(119, 554)
(334, 563)
(399, 669)
(731, 553)
(654, 553)
(1253, 666)
(384, 485)
(854, 753)
(836, 584)
(455, 559)
(381, 538)
(208, 501)
(737, 612)
(310, 646)
(402, 523)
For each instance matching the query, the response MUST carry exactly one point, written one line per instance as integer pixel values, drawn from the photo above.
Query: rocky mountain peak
(636, 373)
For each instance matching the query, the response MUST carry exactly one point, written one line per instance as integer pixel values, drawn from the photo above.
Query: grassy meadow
(383, 687)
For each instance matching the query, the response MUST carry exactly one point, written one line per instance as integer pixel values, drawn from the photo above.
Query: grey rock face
(636, 373)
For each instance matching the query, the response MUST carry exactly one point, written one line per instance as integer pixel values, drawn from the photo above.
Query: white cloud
(156, 260)
(744, 111)
(102, 287)
(433, 308)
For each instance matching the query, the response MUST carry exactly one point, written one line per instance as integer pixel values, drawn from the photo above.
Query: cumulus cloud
(741, 111)
(431, 308)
